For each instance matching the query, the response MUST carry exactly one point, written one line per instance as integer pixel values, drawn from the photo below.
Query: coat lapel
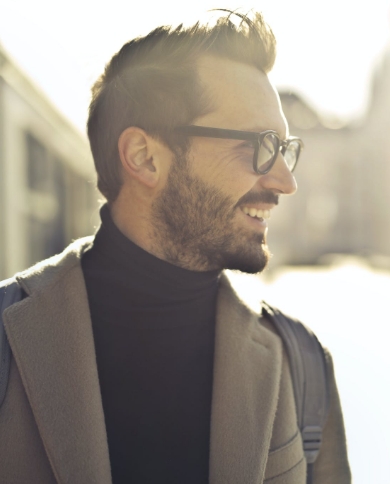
(51, 338)
(247, 371)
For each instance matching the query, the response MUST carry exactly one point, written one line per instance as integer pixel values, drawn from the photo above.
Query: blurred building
(47, 195)
(47, 179)
(343, 202)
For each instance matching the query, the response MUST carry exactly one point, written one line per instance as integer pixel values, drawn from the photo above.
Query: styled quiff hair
(152, 83)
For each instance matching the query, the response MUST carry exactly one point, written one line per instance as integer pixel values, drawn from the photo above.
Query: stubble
(193, 226)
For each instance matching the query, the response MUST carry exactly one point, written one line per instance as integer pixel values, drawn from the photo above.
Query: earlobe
(136, 154)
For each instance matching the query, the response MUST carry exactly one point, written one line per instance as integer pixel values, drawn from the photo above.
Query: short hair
(152, 83)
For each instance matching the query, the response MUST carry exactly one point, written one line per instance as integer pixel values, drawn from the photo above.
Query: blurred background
(331, 241)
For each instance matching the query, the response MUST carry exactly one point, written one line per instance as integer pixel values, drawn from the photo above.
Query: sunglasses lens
(267, 152)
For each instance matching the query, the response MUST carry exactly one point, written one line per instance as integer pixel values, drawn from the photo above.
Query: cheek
(237, 183)
(230, 175)
(208, 167)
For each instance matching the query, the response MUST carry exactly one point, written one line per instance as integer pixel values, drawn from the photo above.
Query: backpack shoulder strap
(10, 293)
(309, 378)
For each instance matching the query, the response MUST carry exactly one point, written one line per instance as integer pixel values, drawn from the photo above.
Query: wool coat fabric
(52, 428)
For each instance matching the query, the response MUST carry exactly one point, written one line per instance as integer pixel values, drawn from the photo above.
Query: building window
(46, 201)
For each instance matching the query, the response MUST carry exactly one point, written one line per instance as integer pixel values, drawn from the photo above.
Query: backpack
(306, 359)
(309, 378)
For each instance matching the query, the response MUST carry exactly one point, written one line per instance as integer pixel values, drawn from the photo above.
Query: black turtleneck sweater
(153, 325)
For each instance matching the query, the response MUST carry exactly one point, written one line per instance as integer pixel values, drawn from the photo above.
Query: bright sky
(326, 50)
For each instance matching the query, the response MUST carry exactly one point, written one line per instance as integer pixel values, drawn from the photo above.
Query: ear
(137, 152)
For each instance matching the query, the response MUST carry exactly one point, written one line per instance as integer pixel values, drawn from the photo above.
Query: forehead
(241, 97)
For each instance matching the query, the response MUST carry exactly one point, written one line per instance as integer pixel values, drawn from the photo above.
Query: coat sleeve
(331, 466)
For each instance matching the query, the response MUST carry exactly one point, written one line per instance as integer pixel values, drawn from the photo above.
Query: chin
(248, 261)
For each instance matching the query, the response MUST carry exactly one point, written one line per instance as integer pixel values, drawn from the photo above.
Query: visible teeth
(252, 212)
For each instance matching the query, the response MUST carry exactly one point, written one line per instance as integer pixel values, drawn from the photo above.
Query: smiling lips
(255, 213)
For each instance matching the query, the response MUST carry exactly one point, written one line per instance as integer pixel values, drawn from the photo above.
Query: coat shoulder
(46, 273)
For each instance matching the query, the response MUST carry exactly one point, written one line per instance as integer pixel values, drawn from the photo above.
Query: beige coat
(52, 424)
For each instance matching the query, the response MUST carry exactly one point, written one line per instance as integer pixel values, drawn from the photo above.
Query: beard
(193, 225)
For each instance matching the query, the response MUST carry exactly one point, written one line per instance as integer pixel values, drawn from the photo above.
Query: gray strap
(10, 293)
(309, 377)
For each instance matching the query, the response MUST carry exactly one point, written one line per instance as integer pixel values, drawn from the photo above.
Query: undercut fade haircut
(152, 83)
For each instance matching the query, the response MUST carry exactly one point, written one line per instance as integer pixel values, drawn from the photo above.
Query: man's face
(201, 219)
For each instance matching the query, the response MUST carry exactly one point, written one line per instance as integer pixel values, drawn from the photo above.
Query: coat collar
(51, 337)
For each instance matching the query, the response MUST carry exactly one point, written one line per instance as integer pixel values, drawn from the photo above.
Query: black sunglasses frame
(255, 138)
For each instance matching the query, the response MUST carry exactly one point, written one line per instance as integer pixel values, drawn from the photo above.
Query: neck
(146, 271)
(131, 217)
(134, 222)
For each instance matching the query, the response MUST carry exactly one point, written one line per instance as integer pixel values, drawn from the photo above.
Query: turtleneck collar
(143, 271)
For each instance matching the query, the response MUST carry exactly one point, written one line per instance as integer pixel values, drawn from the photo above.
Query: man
(134, 361)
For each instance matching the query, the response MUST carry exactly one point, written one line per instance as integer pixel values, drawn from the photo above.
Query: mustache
(260, 197)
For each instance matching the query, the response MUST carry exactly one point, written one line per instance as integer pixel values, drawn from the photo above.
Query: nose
(279, 179)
